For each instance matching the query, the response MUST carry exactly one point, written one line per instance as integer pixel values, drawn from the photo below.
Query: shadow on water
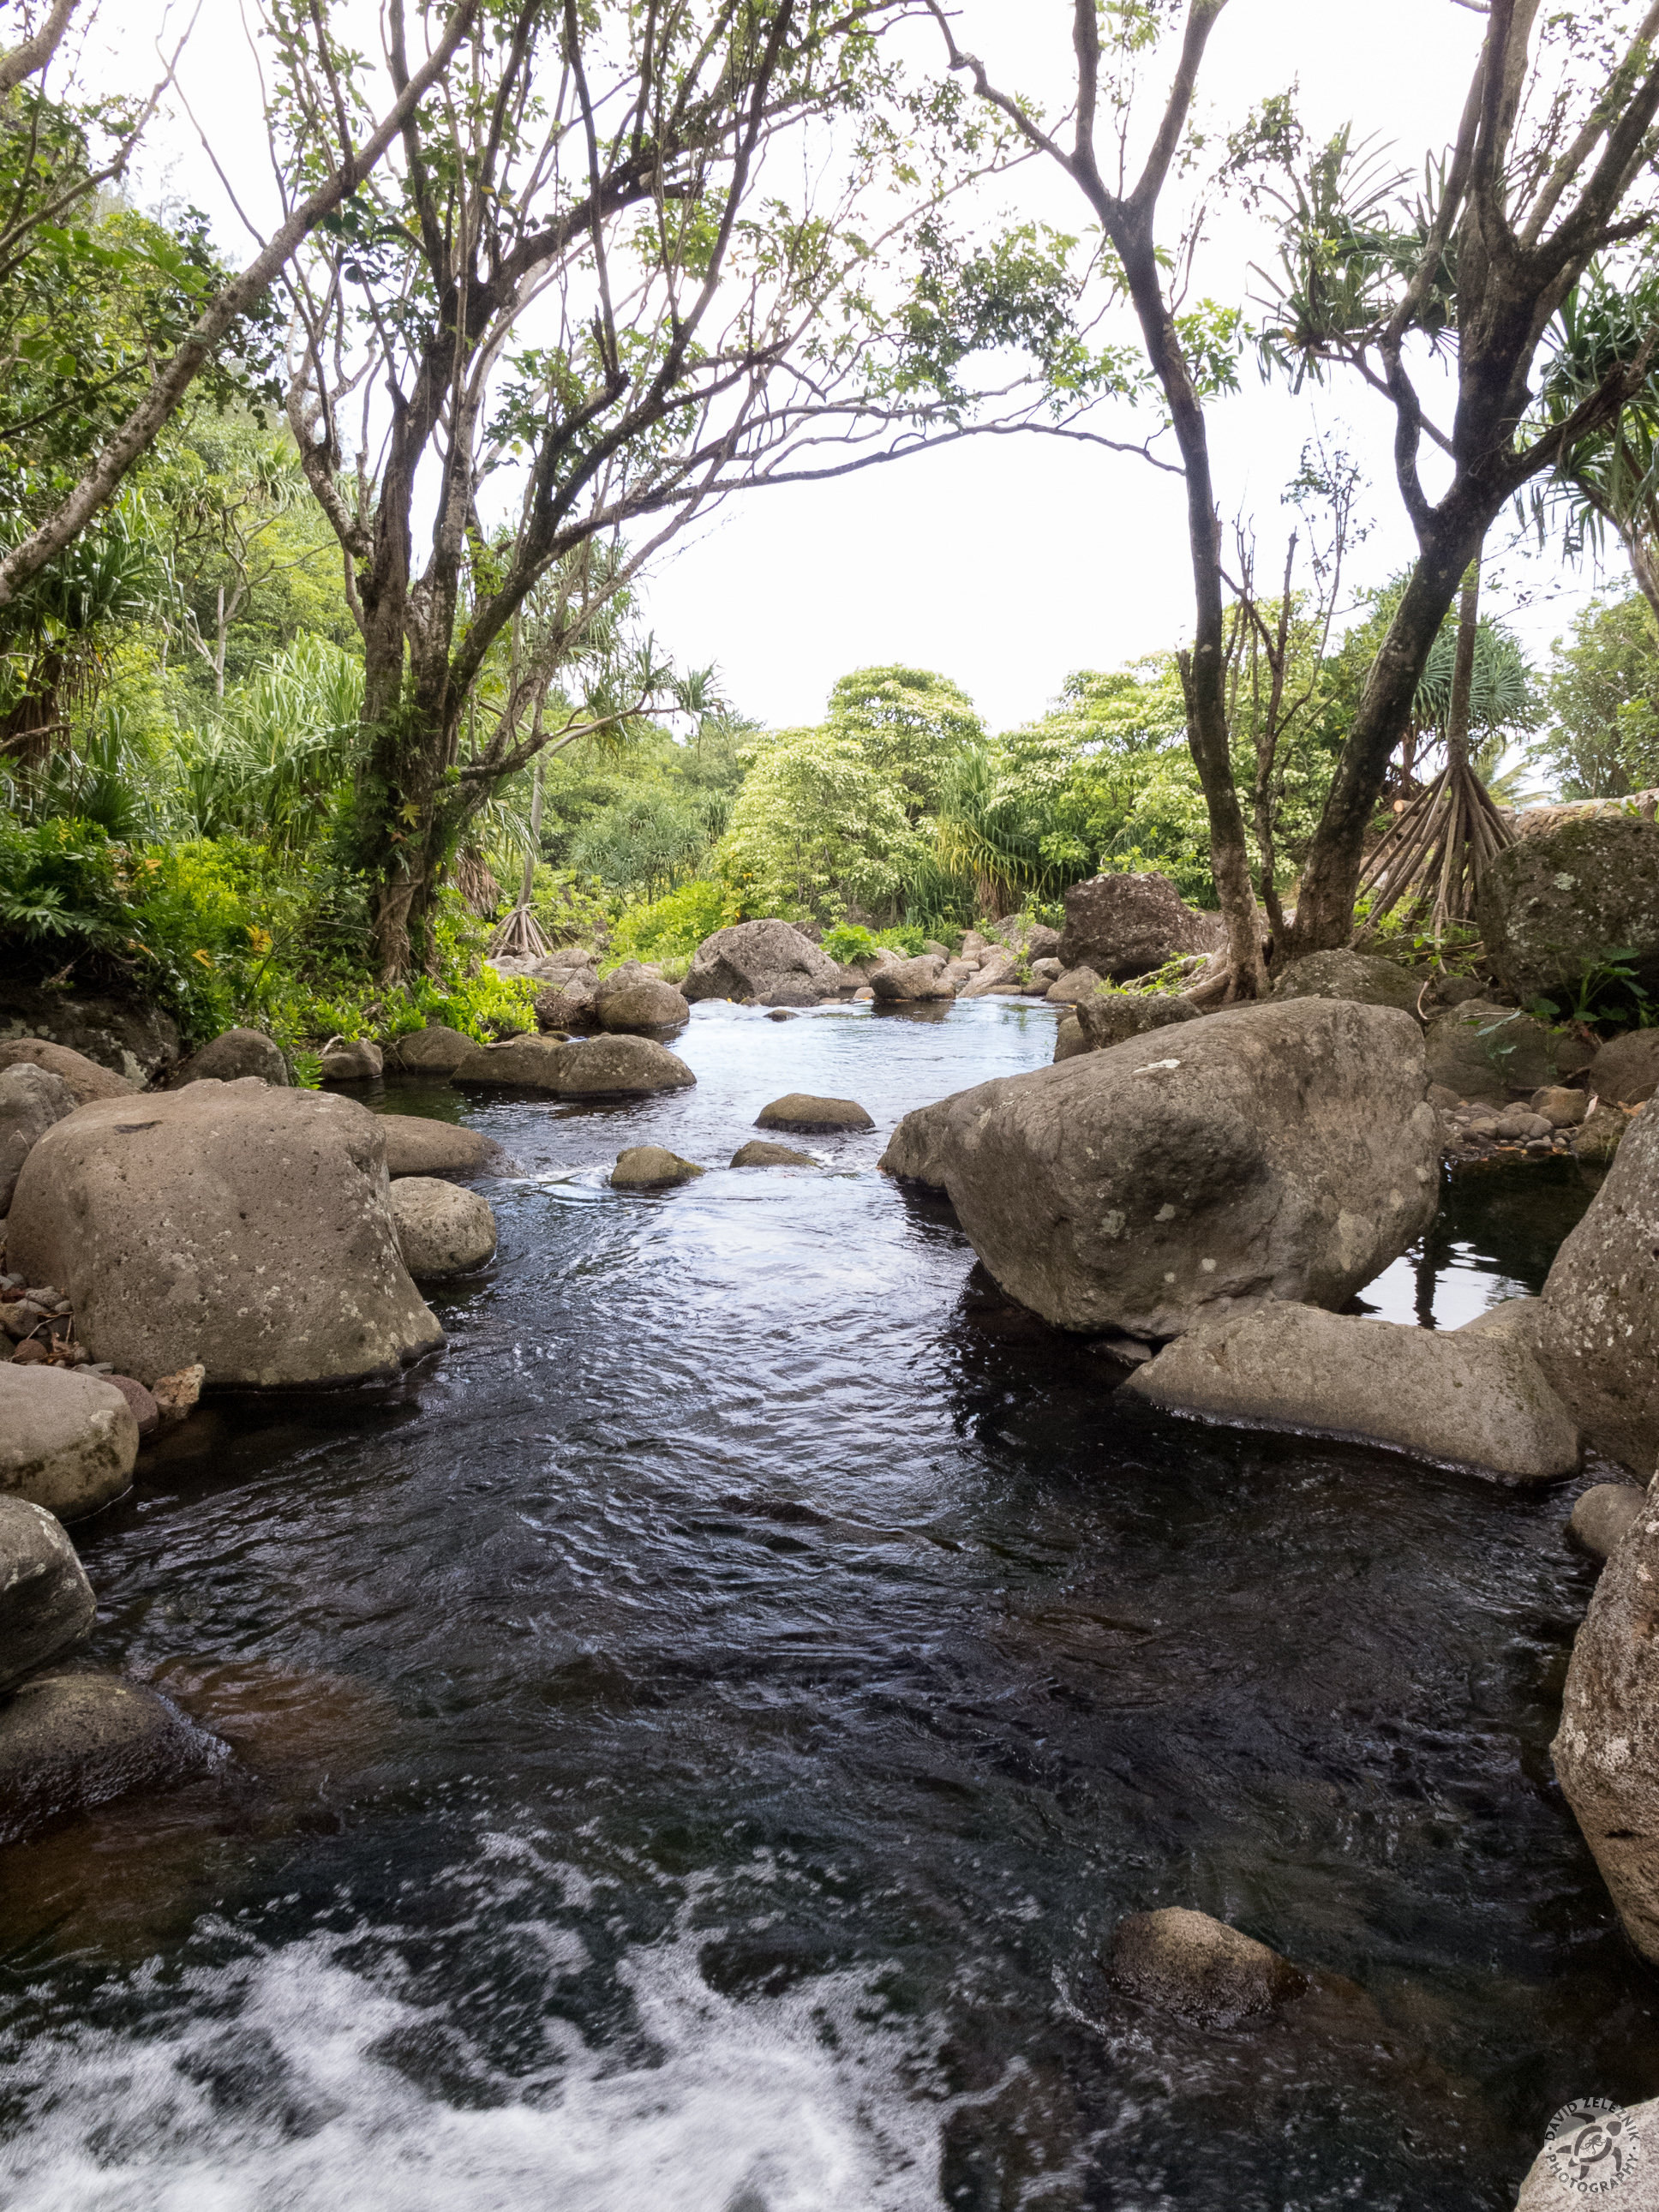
(693, 1741)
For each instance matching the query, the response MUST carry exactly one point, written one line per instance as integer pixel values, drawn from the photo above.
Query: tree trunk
(1324, 908)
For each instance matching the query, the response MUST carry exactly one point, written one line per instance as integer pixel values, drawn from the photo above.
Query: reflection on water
(693, 1741)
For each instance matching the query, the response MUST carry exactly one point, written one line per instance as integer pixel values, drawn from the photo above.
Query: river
(693, 1741)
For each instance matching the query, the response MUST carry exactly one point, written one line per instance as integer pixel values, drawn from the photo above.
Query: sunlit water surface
(693, 1741)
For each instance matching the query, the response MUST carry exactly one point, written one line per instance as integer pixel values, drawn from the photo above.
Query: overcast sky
(1006, 563)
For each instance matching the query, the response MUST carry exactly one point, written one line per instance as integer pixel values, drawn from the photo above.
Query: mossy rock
(1341, 974)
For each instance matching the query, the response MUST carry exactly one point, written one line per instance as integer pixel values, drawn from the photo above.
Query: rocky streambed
(694, 1743)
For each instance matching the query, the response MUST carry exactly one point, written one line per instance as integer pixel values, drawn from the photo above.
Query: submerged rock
(1344, 975)
(652, 1167)
(1187, 1963)
(1454, 1400)
(442, 1230)
(1554, 905)
(1606, 1750)
(769, 960)
(1602, 1514)
(68, 1442)
(31, 1100)
(233, 1224)
(70, 1742)
(417, 1146)
(1280, 1151)
(46, 1604)
(234, 1055)
(1123, 926)
(757, 1153)
(1598, 1331)
(799, 1109)
(621, 1066)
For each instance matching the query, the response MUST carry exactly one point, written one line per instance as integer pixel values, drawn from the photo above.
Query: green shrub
(672, 926)
(569, 908)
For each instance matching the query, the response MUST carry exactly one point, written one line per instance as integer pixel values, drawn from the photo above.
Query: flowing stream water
(693, 1740)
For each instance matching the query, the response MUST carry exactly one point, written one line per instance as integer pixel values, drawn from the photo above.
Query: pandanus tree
(1551, 167)
(1607, 480)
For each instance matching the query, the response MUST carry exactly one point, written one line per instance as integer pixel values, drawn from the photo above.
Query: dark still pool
(692, 1743)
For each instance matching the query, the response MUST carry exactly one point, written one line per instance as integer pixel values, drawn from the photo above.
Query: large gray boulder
(1484, 1051)
(417, 1146)
(236, 1054)
(46, 1604)
(1455, 1400)
(1123, 926)
(767, 961)
(1281, 1151)
(1606, 1750)
(1602, 1515)
(31, 1100)
(1597, 1333)
(523, 1063)
(1553, 906)
(1110, 1017)
(1200, 1968)
(1626, 1068)
(86, 1078)
(68, 1442)
(907, 981)
(129, 1037)
(442, 1230)
(1597, 2157)
(233, 1224)
(70, 1742)
(1344, 975)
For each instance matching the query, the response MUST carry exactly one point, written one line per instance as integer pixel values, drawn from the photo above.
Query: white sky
(1006, 563)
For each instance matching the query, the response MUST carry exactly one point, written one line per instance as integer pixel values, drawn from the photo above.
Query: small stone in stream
(1187, 1963)
(20, 1317)
(1521, 1123)
(782, 1014)
(237, 1053)
(67, 1441)
(863, 995)
(46, 1604)
(145, 1410)
(31, 1352)
(176, 1394)
(1602, 1514)
(70, 1742)
(361, 1062)
(652, 1167)
(757, 1153)
(1131, 1350)
(1445, 1099)
(799, 1109)
(1562, 1108)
